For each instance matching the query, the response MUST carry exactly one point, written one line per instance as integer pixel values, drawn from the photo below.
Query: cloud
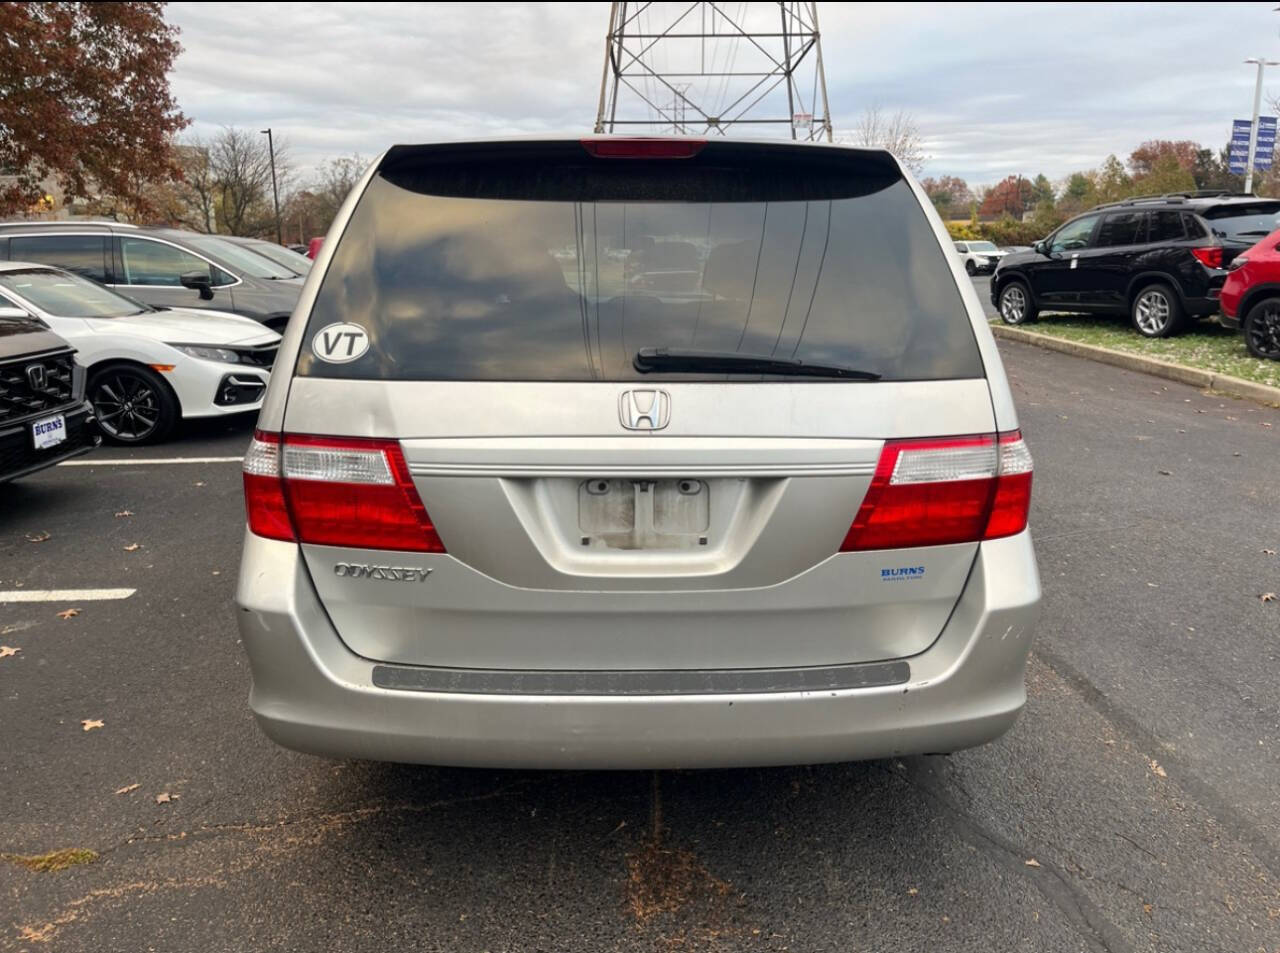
(995, 88)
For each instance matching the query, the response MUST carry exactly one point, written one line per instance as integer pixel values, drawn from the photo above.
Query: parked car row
(115, 331)
(166, 267)
(1164, 261)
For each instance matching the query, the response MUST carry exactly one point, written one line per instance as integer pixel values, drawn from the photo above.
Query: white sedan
(147, 368)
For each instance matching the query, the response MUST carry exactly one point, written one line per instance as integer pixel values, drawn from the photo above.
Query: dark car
(44, 418)
(282, 255)
(163, 267)
(1161, 260)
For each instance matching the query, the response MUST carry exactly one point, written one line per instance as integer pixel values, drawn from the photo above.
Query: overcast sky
(995, 88)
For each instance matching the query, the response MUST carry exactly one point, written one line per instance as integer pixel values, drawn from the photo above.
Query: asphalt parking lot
(1135, 806)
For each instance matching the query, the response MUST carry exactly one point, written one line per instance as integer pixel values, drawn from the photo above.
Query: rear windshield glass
(563, 270)
(1254, 221)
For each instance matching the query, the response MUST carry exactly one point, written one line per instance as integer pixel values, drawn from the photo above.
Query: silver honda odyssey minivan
(637, 453)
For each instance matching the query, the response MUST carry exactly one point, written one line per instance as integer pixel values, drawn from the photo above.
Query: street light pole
(275, 194)
(1253, 127)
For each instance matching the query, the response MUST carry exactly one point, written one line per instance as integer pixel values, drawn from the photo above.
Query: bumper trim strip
(734, 681)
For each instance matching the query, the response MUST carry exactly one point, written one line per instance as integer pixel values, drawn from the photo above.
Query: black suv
(44, 418)
(163, 267)
(1160, 259)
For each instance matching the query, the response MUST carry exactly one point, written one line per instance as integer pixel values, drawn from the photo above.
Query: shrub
(963, 232)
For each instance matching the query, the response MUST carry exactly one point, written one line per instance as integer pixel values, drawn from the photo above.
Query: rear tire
(969, 268)
(1156, 311)
(134, 404)
(1262, 329)
(1016, 306)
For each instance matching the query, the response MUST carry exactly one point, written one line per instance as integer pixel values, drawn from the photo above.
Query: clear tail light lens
(948, 490)
(335, 491)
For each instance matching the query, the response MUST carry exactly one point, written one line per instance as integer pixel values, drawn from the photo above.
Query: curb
(1205, 380)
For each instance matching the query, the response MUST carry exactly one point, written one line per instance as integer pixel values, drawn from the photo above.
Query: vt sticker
(340, 343)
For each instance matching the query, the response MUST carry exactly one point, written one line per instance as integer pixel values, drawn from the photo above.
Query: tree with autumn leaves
(85, 100)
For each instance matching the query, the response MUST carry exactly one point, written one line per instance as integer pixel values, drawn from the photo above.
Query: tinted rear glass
(563, 268)
(1166, 227)
(1244, 221)
(83, 254)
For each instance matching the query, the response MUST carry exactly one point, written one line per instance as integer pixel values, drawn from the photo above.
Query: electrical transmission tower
(706, 67)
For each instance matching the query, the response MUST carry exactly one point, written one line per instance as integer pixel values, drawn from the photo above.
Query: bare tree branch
(897, 133)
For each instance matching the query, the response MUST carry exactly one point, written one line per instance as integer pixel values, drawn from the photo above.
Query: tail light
(1210, 257)
(949, 490)
(624, 148)
(335, 491)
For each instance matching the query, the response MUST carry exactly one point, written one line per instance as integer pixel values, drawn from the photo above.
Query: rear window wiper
(649, 360)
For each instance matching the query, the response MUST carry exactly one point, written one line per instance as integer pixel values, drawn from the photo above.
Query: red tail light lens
(950, 490)
(336, 491)
(643, 148)
(264, 490)
(1209, 257)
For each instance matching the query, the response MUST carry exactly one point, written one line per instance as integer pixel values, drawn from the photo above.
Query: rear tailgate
(599, 517)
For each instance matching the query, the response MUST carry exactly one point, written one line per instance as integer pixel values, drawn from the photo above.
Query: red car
(1251, 297)
(313, 248)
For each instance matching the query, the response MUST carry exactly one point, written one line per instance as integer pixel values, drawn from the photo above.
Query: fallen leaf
(1110, 742)
(37, 537)
(88, 724)
(1268, 552)
(165, 797)
(7, 650)
(1268, 597)
(1265, 424)
(124, 513)
(217, 572)
(1147, 908)
(1165, 472)
(127, 788)
(199, 483)
(912, 891)
(1158, 771)
(132, 547)
(1031, 862)
(68, 613)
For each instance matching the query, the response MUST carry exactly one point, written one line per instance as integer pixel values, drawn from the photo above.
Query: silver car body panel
(312, 693)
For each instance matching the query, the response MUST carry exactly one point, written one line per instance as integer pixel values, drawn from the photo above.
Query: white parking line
(64, 595)
(95, 462)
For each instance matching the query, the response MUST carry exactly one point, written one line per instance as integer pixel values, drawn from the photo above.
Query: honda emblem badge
(644, 409)
(37, 376)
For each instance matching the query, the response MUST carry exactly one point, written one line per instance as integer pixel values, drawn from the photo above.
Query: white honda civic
(147, 368)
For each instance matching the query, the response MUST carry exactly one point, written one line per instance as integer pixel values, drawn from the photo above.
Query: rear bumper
(1203, 307)
(310, 693)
